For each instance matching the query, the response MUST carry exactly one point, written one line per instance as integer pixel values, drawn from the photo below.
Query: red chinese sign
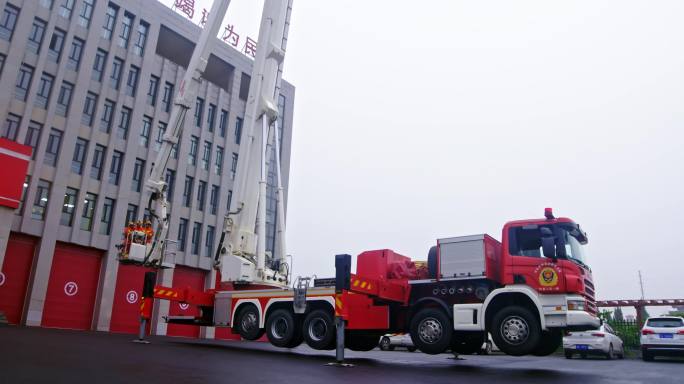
(250, 47)
(185, 6)
(205, 15)
(230, 37)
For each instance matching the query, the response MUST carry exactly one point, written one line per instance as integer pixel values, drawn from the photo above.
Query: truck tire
(467, 343)
(386, 344)
(282, 329)
(516, 330)
(319, 330)
(360, 343)
(247, 323)
(549, 343)
(431, 331)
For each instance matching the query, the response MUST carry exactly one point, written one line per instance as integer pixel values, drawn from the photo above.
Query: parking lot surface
(37, 355)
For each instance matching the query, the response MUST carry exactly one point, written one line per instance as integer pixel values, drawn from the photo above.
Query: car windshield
(665, 323)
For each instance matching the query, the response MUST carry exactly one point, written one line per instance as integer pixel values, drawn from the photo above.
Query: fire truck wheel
(319, 330)
(515, 330)
(467, 343)
(248, 323)
(282, 329)
(550, 341)
(431, 331)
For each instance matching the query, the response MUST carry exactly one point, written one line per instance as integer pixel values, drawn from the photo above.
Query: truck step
(187, 320)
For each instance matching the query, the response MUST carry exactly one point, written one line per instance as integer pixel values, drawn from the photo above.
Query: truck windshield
(573, 247)
(526, 240)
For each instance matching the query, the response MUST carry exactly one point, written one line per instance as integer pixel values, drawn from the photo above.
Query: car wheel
(516, 330)
(319, 330)
(411, 349)
(549, 343)
(568, 355)
(385, 344)
(611, 354)
(431, 331)
(248, 323)
(282, 329)
(646, 355)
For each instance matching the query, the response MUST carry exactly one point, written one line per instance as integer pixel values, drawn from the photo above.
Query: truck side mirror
(548, 242)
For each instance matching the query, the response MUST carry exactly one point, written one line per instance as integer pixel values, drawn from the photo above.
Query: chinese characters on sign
(229, 36)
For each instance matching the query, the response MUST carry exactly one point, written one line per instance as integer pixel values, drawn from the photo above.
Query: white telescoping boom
(241, 256)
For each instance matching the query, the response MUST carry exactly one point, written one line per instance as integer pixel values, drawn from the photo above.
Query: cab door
(529, 265)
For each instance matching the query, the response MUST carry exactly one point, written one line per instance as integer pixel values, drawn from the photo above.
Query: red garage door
(127, 294)
(185, 277)
(15, 274)
(72, 287)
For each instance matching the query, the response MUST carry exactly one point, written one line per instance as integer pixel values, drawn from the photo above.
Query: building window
(170, 180)
(152, 90)
(132, 82)
(2, 62)
(52, 150)
(141, 38)
(238, 130)
(36, 35)
(187, 191)
(209, 241)
(126, 25)
(199, 109)
(196, 238)
(230, 199)
(44, 89)
(192, 154)
(46, 3)
(131, 213)
(115, 168)
(218, 163)
(66, 8)
(166, 98)
(33, 136)
(89, 109)
(138, 172)
(223, 120)
(211, 117)
(99, 65)
(23, 82)
(69, 207)
(56, 45)
(107, 116)
(107, 213)
(79, 156)
(213, 199)
(86, 13)
(64, 98)
(8, 22)
(22, 199)
(75, 54)
(145, 131)
(11, 127)
(88, 211)
(98, 162)
(117, 68)
(182, 234)
(201, 194)
(110, 21)
(233, 166)
(41, 200)
(160, 136)
(124, 122)
(206, 155)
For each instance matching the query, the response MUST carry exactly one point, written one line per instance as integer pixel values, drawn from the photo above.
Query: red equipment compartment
(378, 264)
(72, 287)
(360, 312)
(185, 277)
(127, 299)
(15, 275)
(493, 258)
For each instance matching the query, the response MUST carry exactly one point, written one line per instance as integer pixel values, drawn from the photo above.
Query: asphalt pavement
(39, 355)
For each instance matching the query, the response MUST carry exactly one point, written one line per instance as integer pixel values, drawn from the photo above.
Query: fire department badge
(548, 277)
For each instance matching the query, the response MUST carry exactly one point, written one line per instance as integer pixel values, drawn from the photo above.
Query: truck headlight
(576, 305)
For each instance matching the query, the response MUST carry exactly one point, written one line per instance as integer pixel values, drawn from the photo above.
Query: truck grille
(590, 296)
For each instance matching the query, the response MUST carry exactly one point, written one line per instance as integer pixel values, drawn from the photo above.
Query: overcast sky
(420, 120)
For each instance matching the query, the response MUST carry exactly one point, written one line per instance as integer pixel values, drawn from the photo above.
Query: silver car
(603, 341)
(390, 341)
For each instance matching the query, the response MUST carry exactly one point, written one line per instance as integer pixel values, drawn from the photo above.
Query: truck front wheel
(431, 331)
(516, 330)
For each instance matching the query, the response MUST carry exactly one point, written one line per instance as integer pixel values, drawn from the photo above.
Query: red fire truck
(524, 290)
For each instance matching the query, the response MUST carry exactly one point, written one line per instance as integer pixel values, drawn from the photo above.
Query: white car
(662, 336)
(393, 340)
(602, 341)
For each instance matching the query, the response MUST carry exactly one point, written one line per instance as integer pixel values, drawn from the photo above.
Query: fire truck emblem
(548, 277)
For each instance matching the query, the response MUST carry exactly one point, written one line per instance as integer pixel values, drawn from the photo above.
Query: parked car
(602, 341)
(391, 341)
(662, 335)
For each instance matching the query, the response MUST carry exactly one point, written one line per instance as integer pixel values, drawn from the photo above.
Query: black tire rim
(430, 330)
(279, 328)
(385, 343)
(249, 321)
(514, 330)
(318, 329)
